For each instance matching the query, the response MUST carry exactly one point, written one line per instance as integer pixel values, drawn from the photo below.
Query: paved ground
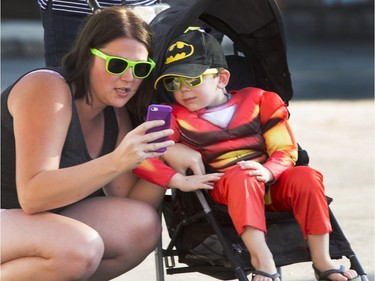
(332, 115)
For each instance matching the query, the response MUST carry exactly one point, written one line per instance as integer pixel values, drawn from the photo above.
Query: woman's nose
(127, 75)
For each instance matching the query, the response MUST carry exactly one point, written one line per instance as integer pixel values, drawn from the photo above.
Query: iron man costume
(251, 125)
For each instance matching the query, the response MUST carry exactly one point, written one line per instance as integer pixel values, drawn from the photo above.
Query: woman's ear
(224, 76)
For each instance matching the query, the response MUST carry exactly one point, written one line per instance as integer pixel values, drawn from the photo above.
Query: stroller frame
(262, 46)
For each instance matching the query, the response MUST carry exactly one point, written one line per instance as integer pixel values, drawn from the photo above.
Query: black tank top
(74, 151)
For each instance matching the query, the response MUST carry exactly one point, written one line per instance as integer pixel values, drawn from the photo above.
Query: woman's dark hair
(99, 29)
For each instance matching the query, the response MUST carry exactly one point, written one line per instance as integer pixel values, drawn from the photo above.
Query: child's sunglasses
(174, 83)
(117, 65)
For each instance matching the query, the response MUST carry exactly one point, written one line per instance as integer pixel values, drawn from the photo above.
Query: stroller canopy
(254, 27)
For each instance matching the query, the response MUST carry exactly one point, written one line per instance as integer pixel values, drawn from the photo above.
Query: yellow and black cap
(191, 54)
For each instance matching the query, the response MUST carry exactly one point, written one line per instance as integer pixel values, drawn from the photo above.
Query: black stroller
(201, 232)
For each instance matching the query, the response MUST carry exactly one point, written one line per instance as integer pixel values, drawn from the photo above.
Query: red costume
(251, 125)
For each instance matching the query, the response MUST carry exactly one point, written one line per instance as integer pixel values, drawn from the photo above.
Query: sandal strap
(324, 275)
(265, 274)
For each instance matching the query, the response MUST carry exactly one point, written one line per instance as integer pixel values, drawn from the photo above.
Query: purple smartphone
(159, 112)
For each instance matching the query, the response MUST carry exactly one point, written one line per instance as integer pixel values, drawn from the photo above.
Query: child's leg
(319, 248)
(244, 196)
(300, 189)
(261, 256)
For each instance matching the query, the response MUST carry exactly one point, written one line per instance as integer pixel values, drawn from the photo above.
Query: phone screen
(159, 112)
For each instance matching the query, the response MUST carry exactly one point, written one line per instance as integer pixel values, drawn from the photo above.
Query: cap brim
(183, 70)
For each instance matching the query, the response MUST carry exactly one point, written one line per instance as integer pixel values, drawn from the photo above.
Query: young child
(245, 135)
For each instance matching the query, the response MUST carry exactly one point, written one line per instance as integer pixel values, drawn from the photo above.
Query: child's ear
(224, 76)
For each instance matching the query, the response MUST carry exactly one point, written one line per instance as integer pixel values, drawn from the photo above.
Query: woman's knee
(140, 235)
(81, 258)
(63, 248)
(123, 224)
(149, 227)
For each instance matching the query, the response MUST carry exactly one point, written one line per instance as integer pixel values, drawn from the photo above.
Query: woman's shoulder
(45, 74)
(43, 79)
(40, 77)
(44, 86)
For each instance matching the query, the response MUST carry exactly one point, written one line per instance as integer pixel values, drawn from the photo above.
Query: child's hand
(194, 182)
(257, 170)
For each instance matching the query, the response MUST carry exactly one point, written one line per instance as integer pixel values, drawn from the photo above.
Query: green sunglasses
(117, 65)
(174, 83)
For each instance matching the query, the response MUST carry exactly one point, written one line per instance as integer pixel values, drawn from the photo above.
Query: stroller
(202, 234)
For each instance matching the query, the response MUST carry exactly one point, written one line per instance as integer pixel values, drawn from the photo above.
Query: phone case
(159, 112)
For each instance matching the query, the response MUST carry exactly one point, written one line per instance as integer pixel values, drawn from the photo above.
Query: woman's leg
(129, 228)
(147, 192)
(47, 247)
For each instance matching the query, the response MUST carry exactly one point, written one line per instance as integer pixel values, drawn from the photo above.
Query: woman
(66, 136)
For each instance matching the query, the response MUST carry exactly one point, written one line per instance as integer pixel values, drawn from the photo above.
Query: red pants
(299, 189)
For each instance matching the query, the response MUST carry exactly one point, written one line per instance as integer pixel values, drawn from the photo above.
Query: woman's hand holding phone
(143, 142)
(159, 112)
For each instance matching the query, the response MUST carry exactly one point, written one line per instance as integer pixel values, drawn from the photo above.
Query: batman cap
(191, 54)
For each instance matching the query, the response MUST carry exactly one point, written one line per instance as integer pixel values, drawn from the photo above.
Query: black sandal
(265, 274)
(323, 276)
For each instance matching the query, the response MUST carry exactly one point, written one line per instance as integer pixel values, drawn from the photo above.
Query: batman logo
(179, 51)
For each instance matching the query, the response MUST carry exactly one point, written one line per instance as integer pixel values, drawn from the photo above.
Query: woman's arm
(41, 105)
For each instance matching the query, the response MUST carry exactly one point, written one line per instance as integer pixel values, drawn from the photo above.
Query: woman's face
(116, 90)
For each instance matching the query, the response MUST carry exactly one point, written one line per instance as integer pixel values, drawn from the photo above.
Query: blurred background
(330, 45)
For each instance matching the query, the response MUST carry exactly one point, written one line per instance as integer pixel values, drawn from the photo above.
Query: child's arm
(194, 182)
(280, 143)
(157, 172)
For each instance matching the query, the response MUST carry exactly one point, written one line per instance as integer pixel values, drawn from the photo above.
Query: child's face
(208, 94)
